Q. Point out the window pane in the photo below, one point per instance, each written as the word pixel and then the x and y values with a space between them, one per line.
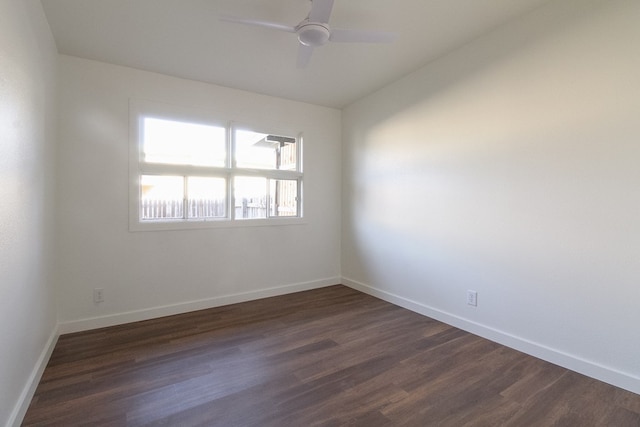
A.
pixel 263 151
pixel 181 143
pixel 207 197
pixel 283 197
pixel 161 197
pixel 250 197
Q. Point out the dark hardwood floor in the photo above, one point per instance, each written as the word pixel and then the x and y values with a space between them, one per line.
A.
pixel 327 357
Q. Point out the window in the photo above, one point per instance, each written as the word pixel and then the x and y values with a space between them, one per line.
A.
pixel 189 170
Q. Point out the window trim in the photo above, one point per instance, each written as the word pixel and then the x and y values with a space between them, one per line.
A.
pixel 139 109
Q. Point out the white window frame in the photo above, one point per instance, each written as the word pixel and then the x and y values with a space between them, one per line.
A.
pixel 139 109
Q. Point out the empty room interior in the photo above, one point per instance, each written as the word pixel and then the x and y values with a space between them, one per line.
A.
pixel 294 212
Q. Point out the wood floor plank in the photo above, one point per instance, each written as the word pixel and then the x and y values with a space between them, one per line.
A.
pixel 327 357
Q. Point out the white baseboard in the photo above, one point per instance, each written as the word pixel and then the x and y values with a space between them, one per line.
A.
pixel 19 411
pixel 185 307
pixel 594 370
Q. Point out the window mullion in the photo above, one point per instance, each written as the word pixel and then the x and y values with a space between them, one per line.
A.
pixel 231 212
pixel 232 197
pixel 271 174
pixel 299 157
pixel 231 157
pixel 167 169
pixel 299 198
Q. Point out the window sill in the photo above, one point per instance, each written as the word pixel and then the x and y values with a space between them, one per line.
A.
pixel 136 226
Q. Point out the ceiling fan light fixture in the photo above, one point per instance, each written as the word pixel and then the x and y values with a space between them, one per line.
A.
pixel 314 31
pixel 313 34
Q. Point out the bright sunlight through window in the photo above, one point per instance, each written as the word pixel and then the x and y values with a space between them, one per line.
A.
pixel 200 173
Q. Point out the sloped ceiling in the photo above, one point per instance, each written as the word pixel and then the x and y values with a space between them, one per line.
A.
pixel 185 38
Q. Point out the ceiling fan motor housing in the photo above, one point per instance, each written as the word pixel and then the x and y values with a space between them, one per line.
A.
pixel 313 34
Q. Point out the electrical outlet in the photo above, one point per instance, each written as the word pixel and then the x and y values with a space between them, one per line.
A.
pixel 472 298
pixel 98 295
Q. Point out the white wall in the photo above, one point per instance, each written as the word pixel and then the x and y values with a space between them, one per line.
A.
pixel 510 167
pixel 147 274
pixel 27 134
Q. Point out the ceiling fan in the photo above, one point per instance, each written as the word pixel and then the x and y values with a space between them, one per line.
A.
pixel 314 31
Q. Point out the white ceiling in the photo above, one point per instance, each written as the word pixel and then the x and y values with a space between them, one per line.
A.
pixel 185 38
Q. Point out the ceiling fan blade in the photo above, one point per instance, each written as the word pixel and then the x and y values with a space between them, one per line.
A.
pixel 259 23
pixel 304 55
pixel 361 36
pixel 320 11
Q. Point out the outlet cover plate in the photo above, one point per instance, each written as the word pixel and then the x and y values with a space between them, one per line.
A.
pixel 472 298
